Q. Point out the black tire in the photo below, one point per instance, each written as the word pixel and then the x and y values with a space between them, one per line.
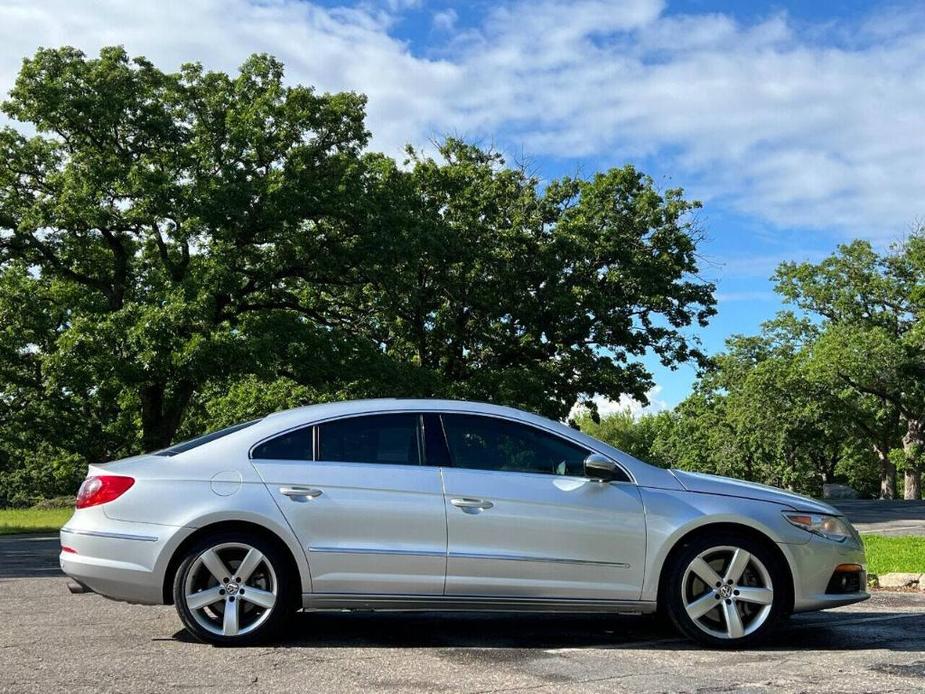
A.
pixel 257 624
pixel 682 587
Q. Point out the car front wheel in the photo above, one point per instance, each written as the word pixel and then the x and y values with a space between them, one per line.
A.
pixel 233 589
pixel 726 591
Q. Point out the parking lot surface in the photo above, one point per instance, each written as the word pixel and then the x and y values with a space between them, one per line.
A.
pixel 54 641
pixel 884 517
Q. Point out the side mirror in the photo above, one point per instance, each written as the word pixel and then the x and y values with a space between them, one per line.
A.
pixel 600 468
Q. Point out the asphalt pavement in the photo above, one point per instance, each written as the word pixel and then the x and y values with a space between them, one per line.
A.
pixel 54 641
pixel 895 517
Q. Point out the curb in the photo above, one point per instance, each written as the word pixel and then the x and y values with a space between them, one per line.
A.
pixel 897 581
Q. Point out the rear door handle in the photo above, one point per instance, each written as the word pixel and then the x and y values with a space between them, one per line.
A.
pixel 300 492
pixel 472 503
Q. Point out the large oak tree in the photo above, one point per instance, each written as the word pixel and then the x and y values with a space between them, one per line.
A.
pixel 180 248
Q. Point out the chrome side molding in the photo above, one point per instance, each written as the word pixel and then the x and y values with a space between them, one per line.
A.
pixel 376 550
pixel 463 555
pixel 545 560
pixel 112 536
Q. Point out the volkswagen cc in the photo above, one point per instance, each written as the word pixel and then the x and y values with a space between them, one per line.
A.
pixel 446 505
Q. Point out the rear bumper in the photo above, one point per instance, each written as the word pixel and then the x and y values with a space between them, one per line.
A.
pixel 814 563
pixel 119 560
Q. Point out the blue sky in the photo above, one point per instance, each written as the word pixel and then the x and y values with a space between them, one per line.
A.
pixel 798 124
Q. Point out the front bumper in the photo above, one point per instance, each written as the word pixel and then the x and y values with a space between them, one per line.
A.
pixel 814 564
pixel 117 559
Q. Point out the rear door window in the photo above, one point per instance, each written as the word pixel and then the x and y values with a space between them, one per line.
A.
pixel 383 439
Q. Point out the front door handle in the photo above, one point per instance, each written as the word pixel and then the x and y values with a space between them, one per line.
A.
pixel 300 492
pixel 481 504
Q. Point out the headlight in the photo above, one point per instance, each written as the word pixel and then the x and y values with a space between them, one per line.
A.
pixel 830 527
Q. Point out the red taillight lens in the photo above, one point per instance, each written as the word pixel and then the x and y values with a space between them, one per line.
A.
pixel 102 489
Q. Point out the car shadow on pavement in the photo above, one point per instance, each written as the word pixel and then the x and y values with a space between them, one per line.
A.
pixel 855 630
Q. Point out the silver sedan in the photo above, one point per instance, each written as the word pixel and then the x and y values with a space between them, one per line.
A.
pixel 445 505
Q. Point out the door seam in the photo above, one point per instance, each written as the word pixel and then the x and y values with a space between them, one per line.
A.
pixel 446 526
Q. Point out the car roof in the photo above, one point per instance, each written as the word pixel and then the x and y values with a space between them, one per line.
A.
pixel 342 408
pixel 321 411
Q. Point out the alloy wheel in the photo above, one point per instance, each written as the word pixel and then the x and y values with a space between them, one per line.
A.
pixel 727 592
pixel 231 589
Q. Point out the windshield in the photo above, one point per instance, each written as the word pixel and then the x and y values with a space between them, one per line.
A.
pixel 184 446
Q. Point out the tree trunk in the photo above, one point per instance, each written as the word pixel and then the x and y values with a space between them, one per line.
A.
pixel 912 446
pixel 887 473
pixel 161 413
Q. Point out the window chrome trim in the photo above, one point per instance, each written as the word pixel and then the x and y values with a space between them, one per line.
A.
pixel 545 560
pixel 440 412
pixel 112 536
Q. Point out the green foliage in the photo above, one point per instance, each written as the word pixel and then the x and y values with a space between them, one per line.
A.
pixel 835 393
pixel 499 292
pixel 636 436
pixel 870 344
pixel 183 250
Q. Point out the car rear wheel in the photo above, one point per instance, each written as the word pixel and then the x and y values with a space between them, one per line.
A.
pixel 726 591
pixel 234 589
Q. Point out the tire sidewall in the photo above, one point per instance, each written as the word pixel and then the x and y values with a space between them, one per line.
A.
pixel 674 602
pixel 282 610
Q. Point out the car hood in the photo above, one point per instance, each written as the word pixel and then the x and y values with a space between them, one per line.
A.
pixel 714 484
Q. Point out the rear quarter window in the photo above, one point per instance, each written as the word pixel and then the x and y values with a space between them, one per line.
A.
pixel 184 446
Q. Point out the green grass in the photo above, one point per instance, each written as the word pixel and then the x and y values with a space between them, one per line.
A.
pixel 32 520
pixel 894 554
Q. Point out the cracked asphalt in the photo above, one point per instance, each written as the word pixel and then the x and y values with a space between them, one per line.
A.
pixel 54 641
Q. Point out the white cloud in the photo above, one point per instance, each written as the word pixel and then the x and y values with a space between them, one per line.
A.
pixel 445 20
pixel 750 296
pixel 333 49
pixel 606 406
pixel 793 123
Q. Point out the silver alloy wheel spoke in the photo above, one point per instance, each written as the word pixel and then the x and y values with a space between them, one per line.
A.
pixel 230 621
pixel 261 598
pixel 224 563
pixel 215 565
pixel 736 604
pixel 734 627
pixel 759 596
pixel 197 601
pixel 737 564
pixel 706 572
pixel 701 606
pixel 250 562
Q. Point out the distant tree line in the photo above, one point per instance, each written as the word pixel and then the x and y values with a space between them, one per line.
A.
pixel 833 390
pixel 179 251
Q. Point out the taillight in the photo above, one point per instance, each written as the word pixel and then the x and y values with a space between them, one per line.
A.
pixel 102 489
